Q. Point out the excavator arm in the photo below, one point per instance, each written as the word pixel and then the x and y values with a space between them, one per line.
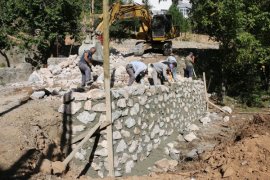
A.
pixel 120 12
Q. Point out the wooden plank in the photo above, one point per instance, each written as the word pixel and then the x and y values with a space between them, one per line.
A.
pixel 205 91
pixel 107 83
pixel 215 106
pixel 81 136
pixel 88 135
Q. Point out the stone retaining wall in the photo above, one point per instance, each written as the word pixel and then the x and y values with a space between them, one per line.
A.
pixel 143 117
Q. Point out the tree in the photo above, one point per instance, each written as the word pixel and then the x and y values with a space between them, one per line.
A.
pixel 178 19
pixel 242 27
pixel 36 24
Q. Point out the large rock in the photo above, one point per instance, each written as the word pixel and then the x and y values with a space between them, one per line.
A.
pixel 85 117
pixel 37 95
pixel 116 135
pixel 205 120
pixel 88 105
pixel 55 69
pixel 227 109
pixel 122 103
pixel 193 127
pixel 166 165
pixel 135 109
pixel 101 107
pixel 190 137
pixel 102 152
pixel 36 78
pixel 121 146
pixel 133 146
pixel 79 96
pixel 129 165
pixel 96 94
pixel 130 122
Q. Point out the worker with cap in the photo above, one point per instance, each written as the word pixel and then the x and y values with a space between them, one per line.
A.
pixel 136 71
pixel 172 62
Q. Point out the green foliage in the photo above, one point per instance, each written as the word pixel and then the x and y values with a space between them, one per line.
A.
pixel 178 19
pixel 242 27
pixel 21 20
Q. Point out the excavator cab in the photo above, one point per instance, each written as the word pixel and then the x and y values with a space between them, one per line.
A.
pixel 161 27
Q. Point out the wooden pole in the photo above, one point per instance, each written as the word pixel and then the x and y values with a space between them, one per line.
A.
pixel 205 91
pixel 93 13
pixel 106 67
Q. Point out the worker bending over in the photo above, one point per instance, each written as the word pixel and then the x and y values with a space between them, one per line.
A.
pixel 85 66
pixel 136 71
pixel 172 63
pixel 158 72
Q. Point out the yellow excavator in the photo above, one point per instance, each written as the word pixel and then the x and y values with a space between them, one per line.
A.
pixel 155 31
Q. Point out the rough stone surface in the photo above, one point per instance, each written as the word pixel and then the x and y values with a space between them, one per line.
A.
pixel 129 166
pixel 135 109
pixel 227 109
pixel 122 103
pixel 79 96
pixel 130 122
pixel 226 119
pixel 88 105
pixel 133 146
pixel 85 117
pixel 190 137
pixel 121 146
pixel 101 107
pixel 205 120
pixel 116 135
pixel 96 94
pixel 193 127
pixel 165 165
pixel 37 95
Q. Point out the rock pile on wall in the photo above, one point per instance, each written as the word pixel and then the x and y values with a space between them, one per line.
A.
pixel 143 117
pixel 64 72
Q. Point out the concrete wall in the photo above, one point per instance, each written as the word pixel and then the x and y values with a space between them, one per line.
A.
pixel 143 117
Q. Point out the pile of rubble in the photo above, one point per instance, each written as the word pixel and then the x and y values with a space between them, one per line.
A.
pixel 67 75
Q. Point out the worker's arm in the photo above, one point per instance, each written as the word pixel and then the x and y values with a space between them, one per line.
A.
pixel 164 71
pixel 86 58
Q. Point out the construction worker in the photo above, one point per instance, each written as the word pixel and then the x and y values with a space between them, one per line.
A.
pixel 158 72
pixel 136 71
pixel 85 66
pixel 171 61
pixel 189 61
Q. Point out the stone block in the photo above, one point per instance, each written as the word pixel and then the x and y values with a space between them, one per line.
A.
pixel 101 107
pixel 130 122
pixel 85 117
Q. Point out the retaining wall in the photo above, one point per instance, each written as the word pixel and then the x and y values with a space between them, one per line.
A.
pixel 143 117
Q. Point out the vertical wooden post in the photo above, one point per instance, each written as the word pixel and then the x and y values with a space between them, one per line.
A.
pixel 205 91
pixel 93 13
pixel 106 67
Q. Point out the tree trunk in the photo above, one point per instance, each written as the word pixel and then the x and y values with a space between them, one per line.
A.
pixel 5 56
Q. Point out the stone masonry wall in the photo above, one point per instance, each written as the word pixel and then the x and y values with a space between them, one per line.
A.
pixel 143 117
